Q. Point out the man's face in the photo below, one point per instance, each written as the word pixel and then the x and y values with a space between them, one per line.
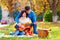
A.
pixel 28 11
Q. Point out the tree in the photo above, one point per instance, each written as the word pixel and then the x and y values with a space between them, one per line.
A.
pixel 54 4
pixel 11 9
pixel 22 3
pixel 40 6
pixel 58 8
pixel 45 7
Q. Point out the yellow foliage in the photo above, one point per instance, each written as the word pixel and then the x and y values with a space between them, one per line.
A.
pixel 38 5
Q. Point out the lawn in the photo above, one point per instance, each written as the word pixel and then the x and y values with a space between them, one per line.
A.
pixel 54 34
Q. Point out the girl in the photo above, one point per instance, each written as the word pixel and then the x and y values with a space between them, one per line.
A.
pixel 22 27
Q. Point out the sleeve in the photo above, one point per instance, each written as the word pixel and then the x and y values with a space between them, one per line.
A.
pixel 33 17
pixel 17 18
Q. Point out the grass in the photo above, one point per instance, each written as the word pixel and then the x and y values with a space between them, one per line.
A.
pixel 54 34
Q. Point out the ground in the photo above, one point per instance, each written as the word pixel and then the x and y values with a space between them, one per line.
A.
pixel 54 34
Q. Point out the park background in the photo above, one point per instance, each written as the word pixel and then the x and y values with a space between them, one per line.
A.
pixel 47 12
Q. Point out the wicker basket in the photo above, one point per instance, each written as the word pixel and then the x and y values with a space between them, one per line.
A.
pixel 42 32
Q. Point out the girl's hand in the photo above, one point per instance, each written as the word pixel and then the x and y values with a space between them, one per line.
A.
pixel 22 26
pixel 19 23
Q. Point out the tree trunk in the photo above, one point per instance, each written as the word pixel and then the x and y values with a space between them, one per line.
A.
pixel 54 11
pixel 53 5
pixel 10 8
pixel 11 19
pixel 55 17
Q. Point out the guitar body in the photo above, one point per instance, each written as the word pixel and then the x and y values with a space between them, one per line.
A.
pixel 23 27
pixel 26 28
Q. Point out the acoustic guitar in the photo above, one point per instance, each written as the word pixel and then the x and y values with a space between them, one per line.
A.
pixel 25 26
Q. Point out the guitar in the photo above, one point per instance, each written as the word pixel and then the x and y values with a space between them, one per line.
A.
pixel 25 26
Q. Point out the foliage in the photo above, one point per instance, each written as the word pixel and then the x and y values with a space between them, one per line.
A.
pixel 58 13
pixel 39 6
pixel 54 5
pixel 40 17
pixel 48 16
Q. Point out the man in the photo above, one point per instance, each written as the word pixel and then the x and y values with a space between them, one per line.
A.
pixel 32 16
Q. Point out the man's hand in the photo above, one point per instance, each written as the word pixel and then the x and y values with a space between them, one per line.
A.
pixel 35 22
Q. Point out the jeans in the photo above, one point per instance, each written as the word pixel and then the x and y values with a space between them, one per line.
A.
pixel 17 33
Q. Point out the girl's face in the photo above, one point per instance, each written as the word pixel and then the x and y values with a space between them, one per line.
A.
pixel 24 14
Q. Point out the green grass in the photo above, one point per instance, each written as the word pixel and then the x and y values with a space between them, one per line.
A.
pixel 54 33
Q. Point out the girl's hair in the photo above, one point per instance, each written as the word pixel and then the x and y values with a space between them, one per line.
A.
pixel 22 12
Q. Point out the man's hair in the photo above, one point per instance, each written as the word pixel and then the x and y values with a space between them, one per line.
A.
pixel 27 7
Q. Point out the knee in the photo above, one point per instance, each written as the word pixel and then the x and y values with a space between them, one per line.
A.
pixel 16 26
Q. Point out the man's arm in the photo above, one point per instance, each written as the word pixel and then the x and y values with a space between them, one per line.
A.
pixel 33 17
pixel 17 18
